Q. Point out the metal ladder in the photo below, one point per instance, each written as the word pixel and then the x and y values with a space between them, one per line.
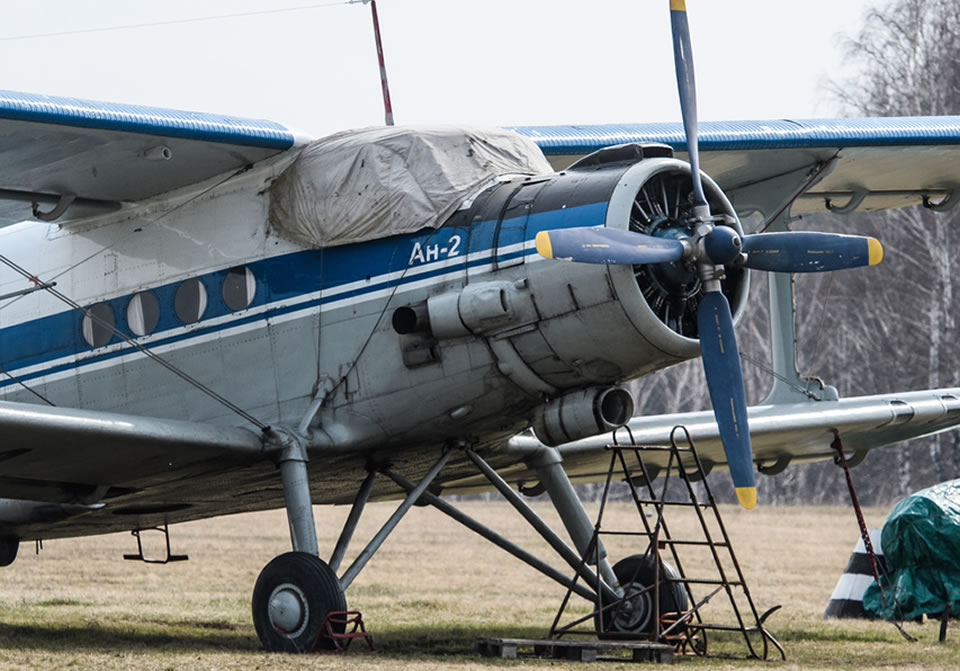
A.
pixel 686 630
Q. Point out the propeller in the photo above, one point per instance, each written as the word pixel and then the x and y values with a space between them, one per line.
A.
pixel 709 248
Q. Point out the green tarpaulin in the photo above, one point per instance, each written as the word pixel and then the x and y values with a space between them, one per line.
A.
pixel 921 543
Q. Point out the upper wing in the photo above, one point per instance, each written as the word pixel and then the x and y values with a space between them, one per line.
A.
pixel 781 434
pixel 104 154
pixel 888 162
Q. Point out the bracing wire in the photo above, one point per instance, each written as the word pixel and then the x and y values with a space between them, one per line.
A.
pixel 24 385
pixel 143 350
pixel 139 229
pixel 767 369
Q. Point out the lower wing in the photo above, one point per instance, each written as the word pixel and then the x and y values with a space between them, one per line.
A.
pixel 781 434
pixel 76 472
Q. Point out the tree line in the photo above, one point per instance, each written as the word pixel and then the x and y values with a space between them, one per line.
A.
pixel 884 329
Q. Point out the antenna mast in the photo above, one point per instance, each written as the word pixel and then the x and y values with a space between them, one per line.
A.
pixel 387 107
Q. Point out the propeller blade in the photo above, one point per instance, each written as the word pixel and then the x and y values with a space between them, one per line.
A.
pixel 607 245
pixel 808 252
pixel 721 365
pixel 687 86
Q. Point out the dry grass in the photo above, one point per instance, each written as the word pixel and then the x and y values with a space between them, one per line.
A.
pixel 431 591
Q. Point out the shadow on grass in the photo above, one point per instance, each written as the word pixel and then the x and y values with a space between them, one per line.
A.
pixel 200 636
pixel 839 635
pixel 445 640
pixel 121 637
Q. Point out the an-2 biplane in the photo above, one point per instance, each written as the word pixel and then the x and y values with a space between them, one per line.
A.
pixel 210 315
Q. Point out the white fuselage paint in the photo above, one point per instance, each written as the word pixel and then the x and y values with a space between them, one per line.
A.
pixel 269 364
pixel 144 248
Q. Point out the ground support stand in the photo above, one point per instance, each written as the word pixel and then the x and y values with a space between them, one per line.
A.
pixel 339 629
pixel 685 631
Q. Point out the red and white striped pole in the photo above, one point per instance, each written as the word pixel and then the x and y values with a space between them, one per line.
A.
pixel 387 107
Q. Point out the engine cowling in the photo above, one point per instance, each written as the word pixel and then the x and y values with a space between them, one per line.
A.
pixel 573 325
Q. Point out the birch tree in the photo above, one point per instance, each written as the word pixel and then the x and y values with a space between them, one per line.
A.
pixel 904 59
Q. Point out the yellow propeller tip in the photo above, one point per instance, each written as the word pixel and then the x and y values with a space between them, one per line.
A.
pixel 678 5
pixel 543 245
pixel 875 251
pixel 747 496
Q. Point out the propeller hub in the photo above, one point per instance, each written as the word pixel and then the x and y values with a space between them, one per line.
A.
pixel 722 245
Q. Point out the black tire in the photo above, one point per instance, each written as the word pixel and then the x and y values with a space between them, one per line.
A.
pixel 310 586
pixel 637 572
pixel 8 550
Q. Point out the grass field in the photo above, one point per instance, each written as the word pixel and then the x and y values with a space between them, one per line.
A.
pixel 433 589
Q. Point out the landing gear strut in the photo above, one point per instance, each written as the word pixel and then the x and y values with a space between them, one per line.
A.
pixel 296 590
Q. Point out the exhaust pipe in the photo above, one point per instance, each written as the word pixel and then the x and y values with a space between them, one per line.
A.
pixel 583 413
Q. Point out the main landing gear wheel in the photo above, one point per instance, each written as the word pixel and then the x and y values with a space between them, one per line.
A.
pixel 635 573
pixel 291 599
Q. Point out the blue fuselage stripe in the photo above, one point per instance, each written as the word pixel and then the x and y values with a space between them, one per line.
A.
pixel 281 281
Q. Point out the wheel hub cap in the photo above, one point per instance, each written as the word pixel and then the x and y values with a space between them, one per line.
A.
pixel 288 610
pixel 635 613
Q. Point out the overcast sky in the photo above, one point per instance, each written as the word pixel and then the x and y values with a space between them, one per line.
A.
pixel 499 62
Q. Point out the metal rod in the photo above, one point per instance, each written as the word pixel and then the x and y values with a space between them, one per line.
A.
pixel 367 553
pixel 384 86
pixel 683 616
pixel 296 497
pixel 352 520
pixel 494 537
pixel 548 534
pixel 23 292
pixel 549 467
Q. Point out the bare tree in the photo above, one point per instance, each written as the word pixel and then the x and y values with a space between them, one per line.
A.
pixel 905 53
pixel 904 58
pixel 873 330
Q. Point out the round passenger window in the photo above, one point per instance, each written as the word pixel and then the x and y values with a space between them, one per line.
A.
pixel 190 301
pixel 239 286
pixel 97 325
pixel 143 312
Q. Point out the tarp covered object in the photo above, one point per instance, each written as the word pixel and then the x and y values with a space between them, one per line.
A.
pixel 921 543
pixel 376 182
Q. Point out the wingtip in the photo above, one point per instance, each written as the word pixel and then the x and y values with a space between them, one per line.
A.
pixel 875 251
pixel 544 248
pixel 747 496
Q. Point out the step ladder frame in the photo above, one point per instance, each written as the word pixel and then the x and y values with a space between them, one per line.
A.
pixel 691 629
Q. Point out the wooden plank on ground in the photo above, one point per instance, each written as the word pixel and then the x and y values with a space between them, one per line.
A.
pixel 582 650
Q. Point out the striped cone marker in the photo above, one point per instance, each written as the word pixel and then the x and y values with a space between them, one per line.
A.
pixel 847 598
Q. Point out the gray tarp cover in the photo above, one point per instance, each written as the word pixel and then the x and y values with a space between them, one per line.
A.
pixel 376 182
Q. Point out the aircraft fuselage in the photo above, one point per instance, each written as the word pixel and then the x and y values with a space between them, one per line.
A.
pixel 203 281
